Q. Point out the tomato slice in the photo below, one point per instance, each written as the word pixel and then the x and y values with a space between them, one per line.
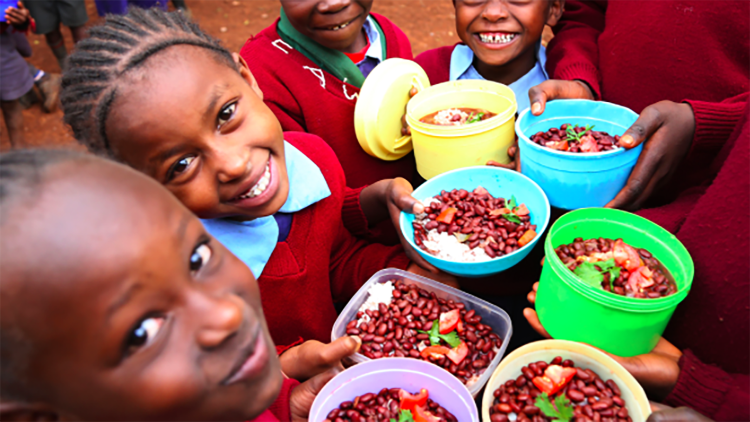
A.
pixel 449 321
pixel 559 375
pixel 409 402
pixel 626 256
pixel 447 215
pixel 458 353
pixel 480 191
pixel 544 384
pixel 560 145
pixel 460 326
pixel 521 210
pixel 420 414
pixel 588 144
pixel 526 237
pixel 640 279
pixel 435 350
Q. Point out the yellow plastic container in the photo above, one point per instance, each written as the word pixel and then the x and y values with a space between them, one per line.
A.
pixel 439 149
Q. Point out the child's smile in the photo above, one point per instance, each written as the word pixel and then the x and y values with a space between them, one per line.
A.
pixel 262 187
pixel 333 24
pixel 496 39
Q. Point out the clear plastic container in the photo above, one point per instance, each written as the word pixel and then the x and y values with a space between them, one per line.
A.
pixel 491 315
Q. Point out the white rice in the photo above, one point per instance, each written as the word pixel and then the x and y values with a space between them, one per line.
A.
pixel 446 246
pixel 377 294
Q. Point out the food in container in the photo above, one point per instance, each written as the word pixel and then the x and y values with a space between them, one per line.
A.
pixel 457 116
pixel 391 404
pixel 574 138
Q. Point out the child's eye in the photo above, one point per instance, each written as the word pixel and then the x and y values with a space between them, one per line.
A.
pixel 226 113
pixel 144 333
pixel 200 257
pixel 180 166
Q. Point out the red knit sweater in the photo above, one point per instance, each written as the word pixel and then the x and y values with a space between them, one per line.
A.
pixel 713 321
pixel 661 50
pixel 321 261
pixel 307 99
pixel 280 410
pixel 437 63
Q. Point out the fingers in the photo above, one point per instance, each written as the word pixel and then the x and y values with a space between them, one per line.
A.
pixel 302 396
pixel 665 348
pixel 648 122
pixel 656 407
pixel 509 166
pixel 640 184
pixel 533 319
pixel 413 92
pixel 556 89
pixel 681 414
pixel 531 297
pixel 332 353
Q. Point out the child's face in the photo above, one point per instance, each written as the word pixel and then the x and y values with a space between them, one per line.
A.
pixel 131 310
pixel 499 31
pixel 318 20
pixel 201 128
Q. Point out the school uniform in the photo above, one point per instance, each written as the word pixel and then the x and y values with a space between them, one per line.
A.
pixel 319 97
pixel 303 257
pixel 280 409
pixel 453 63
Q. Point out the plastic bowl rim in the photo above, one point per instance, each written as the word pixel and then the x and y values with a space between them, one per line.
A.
pixel 403 217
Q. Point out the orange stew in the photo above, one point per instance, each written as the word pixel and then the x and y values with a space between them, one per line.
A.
pixel 457 116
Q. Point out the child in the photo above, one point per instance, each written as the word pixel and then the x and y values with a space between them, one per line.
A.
pixel 151 89
pixel 117 304
pixel 49 14
pixel 310 65
pixel 501 42
pixel 16 79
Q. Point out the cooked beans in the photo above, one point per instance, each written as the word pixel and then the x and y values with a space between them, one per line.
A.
pixel 574 254
pixel 590 140
pixel 403 339
pixel 592 399
pixel 380 407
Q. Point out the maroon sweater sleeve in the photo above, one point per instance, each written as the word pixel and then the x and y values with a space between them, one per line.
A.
pixel 280 410
pixel 714 122
pixel 574 52
pixel 711 391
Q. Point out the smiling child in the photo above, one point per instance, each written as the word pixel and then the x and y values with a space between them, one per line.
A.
pixel 500 42
pixel 118 305
pixel 310 65
pixel 154 91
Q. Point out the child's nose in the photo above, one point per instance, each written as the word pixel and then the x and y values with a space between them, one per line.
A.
pixel 221 319
pixel 233 165
pixel 332 6
pixel 495 10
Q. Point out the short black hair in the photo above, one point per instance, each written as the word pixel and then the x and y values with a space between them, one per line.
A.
pixel 21 179
pixel 121 44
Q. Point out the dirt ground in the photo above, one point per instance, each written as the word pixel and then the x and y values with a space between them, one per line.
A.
pixel 427 23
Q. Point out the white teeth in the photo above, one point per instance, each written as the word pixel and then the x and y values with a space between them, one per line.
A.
pixel 336 28
pixel 259 187
pixel 497 39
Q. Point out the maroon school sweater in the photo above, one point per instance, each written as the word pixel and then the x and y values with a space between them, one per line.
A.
pixel 306 98
pixel 320 262
pixel 713 223
pixel 649 51
pixel 437 63
pixel 280 410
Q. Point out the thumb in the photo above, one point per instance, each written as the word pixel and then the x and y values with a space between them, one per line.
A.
pixel 303 396
pixel 339 349
pixel 538 96
pixel 647 123
pixel 401 194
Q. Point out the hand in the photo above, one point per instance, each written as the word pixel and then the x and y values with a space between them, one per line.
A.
pixel 395 194
pixel 302 396
pixel 313 357
pixel 657 371
pixel 555 89
pixel 440 276
pixel 680 414
pixel 405 129
pixel 667 128
pixel 17 16
pixel 531 315
pixel 515 159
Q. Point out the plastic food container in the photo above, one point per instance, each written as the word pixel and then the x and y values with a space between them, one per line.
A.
pixel 585 357
pixel 491 315
pixel 498 182
pixel 575 180
pixel 4 4
pixel 439 149
pixel 408 374
pixel 571 310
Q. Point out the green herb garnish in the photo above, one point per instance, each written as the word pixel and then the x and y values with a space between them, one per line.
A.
pixel 512 218
pixel 451 338
pixel 476 118
pixel 573 135
pixel 404 416
pixel 461 237
pixel 560 411
pixel 593 273
pixel 512 203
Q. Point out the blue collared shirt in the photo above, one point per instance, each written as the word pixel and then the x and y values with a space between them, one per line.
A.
pixel 374 54
pixel 253 241
pixel 462 67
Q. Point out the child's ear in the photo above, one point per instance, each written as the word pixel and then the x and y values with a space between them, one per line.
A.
pixel 556 9
pixel 20 411
pixel 246 74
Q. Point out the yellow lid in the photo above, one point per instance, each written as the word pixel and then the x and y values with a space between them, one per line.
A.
pixel 381 105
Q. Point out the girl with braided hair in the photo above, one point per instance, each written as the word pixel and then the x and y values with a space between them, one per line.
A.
pixel 152 90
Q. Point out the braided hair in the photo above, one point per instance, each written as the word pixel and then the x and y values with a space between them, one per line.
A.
pixel 121 44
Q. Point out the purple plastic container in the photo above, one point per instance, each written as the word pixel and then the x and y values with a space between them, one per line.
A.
pixel 409 374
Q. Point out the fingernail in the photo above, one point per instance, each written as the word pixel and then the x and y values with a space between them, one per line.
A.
pixel 358 341
pixel 418 208
pixel 536 108
pixel 627 140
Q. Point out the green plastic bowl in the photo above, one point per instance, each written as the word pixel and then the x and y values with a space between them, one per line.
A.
pixel 571 310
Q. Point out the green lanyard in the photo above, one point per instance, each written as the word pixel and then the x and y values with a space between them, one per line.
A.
pixel 332 61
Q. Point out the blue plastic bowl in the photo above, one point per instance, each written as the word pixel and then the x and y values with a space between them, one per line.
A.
pixel 575 180
pixel 498 182
pixel 4 4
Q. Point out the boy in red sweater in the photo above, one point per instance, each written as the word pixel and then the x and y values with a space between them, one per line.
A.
pixel 500 42
pixel 118 305
pixel 275 199
pixel 310 65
